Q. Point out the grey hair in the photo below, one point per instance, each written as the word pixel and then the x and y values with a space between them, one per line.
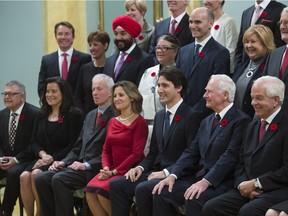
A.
pixel 108 80
pixel 226 84
pixel 18 84
pixel 274 86
pixel 187 2
pixel 285 10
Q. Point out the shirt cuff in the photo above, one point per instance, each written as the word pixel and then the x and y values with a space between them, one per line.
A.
pixel 260 185
pixel 207 181
pixel 17 162
pixel 173 175
pixel 166 172
pixel 141 168
pixel 87 165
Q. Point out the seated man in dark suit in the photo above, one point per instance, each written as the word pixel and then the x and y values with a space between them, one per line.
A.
pixel 66 62
pixel 202 58
pixel 56 186
pixel 205 169
pixel 15 134
pixel 167 144
pixel 261 175
pixel 129 62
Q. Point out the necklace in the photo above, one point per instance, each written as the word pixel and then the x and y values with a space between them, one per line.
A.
pixel 251 70
pixel 124 119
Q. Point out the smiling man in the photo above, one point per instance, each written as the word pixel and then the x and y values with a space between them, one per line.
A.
pixel 65 62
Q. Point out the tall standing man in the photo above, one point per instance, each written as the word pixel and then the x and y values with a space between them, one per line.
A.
pixel 66 61
pixel 16 122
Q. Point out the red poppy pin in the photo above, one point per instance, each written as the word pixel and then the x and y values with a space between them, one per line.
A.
pixel 262 67
pixel 177 118
pixel 153 74
pixel 74 59
pixel 263 14
pixel 224 122
pixel 178 29
pixel 201 54
pixel 60 120
pixel 128 59
pixel 140 37
pixel 273 127
pixel 216 27
pixel 21 118
pixel 102 123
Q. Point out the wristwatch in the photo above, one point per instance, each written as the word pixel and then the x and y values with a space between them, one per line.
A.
pixel 256 184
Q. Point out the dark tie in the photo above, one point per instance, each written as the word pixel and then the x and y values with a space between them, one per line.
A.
pixel 12 130
pixel 172 26
pixel 99 114
pixel 256 14
pixel 64 66
pixel 215 122
pixel 262 130
pixel 119 65
pixel 197 47
pixel 284 64
pixel 167 123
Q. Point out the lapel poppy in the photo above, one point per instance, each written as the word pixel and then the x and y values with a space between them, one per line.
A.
pixel 263 14
pixel 262 67
pixel 153 74
pixel 201 54
pixel 140 37
pixel 102 123
pixel 224 122
pixel 177 118
pixel 74 59
pixel 60 120
pixel 178 29
pixel 21 118
pixel 128 59
pixel 216 27
pixel 273 127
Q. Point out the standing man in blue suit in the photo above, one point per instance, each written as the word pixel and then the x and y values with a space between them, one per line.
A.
pixel 53 64
pixel 202 58
pixel 205 169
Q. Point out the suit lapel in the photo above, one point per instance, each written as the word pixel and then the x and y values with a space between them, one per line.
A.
pixel 181 25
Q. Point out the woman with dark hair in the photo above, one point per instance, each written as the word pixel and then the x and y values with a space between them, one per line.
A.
pixel 55 131
pixel 123 147
pixel 166 52
pixel 98 43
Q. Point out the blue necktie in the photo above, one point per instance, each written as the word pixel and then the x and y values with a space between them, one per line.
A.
pixel 167 123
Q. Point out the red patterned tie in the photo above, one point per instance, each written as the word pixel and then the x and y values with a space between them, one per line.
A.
pixel 64 66
pixel 99 114
pixel 215 122
pixel 284 64
pixel 262 130
pixel 172 26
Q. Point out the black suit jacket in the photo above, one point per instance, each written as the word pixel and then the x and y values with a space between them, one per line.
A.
pixel 268 159
pixel 88 147
pixel 165 152
pixel 133 67
pixel 216 152
pixel 216 60
pixel 23 131
pixel 269 17
pixel 50 68
pixel 182 32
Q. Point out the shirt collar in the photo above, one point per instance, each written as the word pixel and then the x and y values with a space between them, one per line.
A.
pixel 102 111
pixel 130 49
pixel 225 110
pixel 173 109
pixel 272 116
pixel 203 43
pixel 69 52
pixel 18 111
pixel 263 4
pixel 178 18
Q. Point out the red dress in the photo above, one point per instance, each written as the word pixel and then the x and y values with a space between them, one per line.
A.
pixel 122 150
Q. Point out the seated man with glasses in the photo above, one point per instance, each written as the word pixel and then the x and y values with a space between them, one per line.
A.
pixel 16 122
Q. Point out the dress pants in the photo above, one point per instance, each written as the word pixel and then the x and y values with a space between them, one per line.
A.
pixel 233 203
pixel 56 189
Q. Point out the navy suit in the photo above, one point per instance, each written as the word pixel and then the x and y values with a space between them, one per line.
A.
pixel 56 189
pixel 163 154
pixel 269 17
pixel 50 68
pixel 133 67
pixel 216 60
pixel 211 157
pixel 22 139
pixel 182 32
pixel 267 161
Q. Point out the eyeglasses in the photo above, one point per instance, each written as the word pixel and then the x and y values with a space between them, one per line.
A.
pixel 284 22
pixel 10 94
pixel 163 48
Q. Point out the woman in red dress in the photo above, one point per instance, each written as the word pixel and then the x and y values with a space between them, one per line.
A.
pixel 123 147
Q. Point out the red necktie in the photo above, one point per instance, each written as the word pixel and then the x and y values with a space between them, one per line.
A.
pixel 99 114
pixel 172 27
pixel 284 64
pixel 262 130
pixel 215 122
pixel 64 66
pixel 256 14
pixel 119 65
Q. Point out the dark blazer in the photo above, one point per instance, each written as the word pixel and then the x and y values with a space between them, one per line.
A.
pixel 23 131
pixel 217 153
pixel 182 32
pixel 50 68
pixel 246 103
pixel 269 17
pixel 88 147
pixel 133 67
pixel 165 152
pixel 62 137
pixel 268 159
pixel 273 68
pixel 216 60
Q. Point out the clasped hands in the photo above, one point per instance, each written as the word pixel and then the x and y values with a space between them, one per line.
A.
pixel 247 189
pixel 45 160
pixel 105 173
pixel 134 174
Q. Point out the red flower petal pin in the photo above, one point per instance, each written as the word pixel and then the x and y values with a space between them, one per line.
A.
pixel 74 59
pixel 263 14
pixel 216 27
pixel 140 37
pixel 153 74
pixel 224 122
pixel 201 54
pixel 21 118
pixel 177 118
pixel 102 123
pixel 178 29
pixel 60 120
pixel 262 67
pixel 128 59
pixel 273 127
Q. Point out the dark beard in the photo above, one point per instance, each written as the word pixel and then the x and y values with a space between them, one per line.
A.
pixel 127 44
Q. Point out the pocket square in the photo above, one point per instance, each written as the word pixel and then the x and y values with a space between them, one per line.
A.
pixel 265 21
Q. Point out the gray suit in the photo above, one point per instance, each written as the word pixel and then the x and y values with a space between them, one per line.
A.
pixel 56 189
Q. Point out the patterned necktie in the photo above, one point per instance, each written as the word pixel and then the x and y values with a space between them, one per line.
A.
pixel 119 65
pixel 64 66
pixel 256 14
pixel 172 27
pixel 12 130
pixel 99 114
pixel 167 123
pixel 215 122
pixel 284 64
pixel 262 129
pixel 197 47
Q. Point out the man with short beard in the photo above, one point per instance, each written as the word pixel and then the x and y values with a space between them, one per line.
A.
pixel 129 62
